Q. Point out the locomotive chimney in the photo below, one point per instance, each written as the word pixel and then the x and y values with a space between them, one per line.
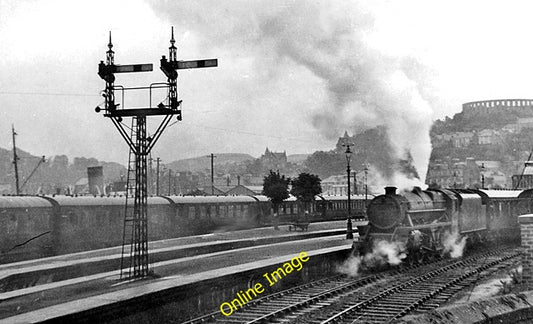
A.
pixel 390 190
pixel 417 190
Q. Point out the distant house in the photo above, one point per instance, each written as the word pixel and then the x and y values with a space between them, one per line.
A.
pixel 524 123
pixel 488 136
pixel 511 128
pixel 334 185
pixel 454 174
pixel 462 139
pixel 337 185
pixel 441 140
pixel 241 190
pixel 81 186
pixel 215 191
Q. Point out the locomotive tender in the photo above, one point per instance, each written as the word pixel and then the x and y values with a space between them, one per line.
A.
pixel 39 226
pixel 420 220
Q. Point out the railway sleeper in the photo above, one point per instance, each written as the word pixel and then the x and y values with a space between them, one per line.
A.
pixel 403 299
pixel 238 316
pixel 369 317
pixel 386 309
pixel 393 303
pixel 417 291
pixel 368 313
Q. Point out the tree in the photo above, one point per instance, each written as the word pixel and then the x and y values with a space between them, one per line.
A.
pixel 305 187
pixel 276 188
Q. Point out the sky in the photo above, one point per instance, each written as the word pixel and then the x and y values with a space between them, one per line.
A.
pixel 292 75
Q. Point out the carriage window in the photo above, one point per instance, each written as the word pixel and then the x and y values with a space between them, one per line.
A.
pixel 203 212
pixel 230 211
pixel 213 211
pixel 237 211
pixel 73 218
pixel 224 211
pixel 100 218
pixel 192 212
pixel 245 210
pixel 12 224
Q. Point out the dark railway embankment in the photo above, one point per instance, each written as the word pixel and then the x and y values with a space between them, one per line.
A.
pixel 513 308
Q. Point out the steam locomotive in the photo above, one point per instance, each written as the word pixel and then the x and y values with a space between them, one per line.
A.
pixel 39 226
pixel 420 220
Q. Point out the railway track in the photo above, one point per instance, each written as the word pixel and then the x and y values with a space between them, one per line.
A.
pixel 376 298
pixel 281 302
pixel 394 302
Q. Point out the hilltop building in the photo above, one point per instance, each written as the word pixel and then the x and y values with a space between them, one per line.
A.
pixel 274 160
pixel 520 107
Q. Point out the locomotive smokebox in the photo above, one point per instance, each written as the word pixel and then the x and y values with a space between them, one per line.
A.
pixel 390 190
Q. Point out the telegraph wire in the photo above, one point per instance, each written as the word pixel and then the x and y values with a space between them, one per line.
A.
pixel 49 94
pixel 250 133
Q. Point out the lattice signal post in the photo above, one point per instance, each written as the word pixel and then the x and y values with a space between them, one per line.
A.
pixel 141 144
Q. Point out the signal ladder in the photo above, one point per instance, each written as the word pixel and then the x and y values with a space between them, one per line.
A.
pixel 128 234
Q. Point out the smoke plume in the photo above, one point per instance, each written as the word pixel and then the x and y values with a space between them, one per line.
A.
pixel 360 86
pixel 453 244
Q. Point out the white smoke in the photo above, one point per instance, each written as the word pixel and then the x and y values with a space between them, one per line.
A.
pixel 350 266
pixel 383 253
pixel 453 244
pixel 362 87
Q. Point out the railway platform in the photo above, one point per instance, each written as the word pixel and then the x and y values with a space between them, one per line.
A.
pixel 211 266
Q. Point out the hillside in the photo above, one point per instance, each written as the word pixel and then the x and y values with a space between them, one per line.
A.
pixel 297 158
pixel 204 162
pixel 55 172
pixel 369 147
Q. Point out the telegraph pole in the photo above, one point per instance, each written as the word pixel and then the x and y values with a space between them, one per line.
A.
pixel 212 174
pixel 169 179
pixel 15 159
pixel 141 144
pixel 157 176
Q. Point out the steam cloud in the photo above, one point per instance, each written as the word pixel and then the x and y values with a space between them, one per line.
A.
pixel 363 87
pixel 392 253
pixel 453 244
pixel 383 253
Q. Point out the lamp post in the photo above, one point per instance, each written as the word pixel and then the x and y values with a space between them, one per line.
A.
pixel 349 228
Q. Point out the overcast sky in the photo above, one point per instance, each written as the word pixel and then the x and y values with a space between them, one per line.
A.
pixel 292 75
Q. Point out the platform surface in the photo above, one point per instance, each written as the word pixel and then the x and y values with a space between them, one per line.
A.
pixel 36 303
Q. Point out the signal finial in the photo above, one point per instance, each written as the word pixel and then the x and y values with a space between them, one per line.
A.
pixel 172 50
pixel 110 60
pixel 172 41
pixel 110 45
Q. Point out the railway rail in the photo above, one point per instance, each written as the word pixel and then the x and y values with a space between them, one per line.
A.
pixel 397 301
pixel 388 295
